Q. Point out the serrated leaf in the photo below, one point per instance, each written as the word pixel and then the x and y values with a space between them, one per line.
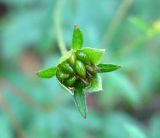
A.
pixel 80 101
pixel 94 54
pixel 107 67
pixel 77 38
pixel 47 73
pixel 95 85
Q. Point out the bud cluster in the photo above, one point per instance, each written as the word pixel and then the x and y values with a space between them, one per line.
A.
pixel 76 71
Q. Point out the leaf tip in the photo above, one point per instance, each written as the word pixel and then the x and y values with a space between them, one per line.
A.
pixel 37 73
pixel 75 26
pixel 85 116
pixel 118 66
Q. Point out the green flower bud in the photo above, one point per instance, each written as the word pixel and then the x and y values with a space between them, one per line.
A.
pixel 70 81
pixel 83 57
pixel 72 59
pixel 61 75
pixel 65 66
pixel 80 69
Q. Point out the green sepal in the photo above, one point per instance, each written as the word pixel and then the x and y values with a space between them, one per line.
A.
pixel 107 67
pixel 47 73
pixel 68 90
pixel 95 85
pixel 77 38
pixel 95 55
pixel 80 101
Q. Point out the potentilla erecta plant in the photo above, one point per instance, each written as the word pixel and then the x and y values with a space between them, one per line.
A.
pixel 78 71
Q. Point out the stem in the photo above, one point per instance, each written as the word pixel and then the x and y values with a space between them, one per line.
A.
pixel 58 27
pixel 8 110
pixel 116 21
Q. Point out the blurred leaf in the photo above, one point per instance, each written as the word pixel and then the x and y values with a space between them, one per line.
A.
pixel 114 125
pixel 17 3
pixel 120 89
pixel 5 128
pixel 142 25
pixel 154 126
pixel 134 132
pixel 77 38
pixel 80 101
pixel 95 55
pixel 24 29
pixel 29 23
pixel 95 85
pixel 33 26
pixel 47 73
pixel 107 67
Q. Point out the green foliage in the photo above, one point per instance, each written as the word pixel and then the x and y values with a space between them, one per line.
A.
pixel 134 132
pixel 77 38
pixel 80 100
pixel 47 73
pixel 77 70
pixel 28 41
pixel 154 126
pixel 107 67
pixel 95 55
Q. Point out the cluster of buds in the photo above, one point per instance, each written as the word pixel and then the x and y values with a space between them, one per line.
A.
pixel 77 71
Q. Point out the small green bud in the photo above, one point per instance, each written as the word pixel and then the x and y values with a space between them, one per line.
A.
pixel 66 67
pixel 61 75
pixel 80 69
pixel 70 81
pixel 83 57
pixel 72 59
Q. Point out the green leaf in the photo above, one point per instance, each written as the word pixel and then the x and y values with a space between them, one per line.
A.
pixel 95 84
pixel 139 23
pixel 77 38
pixel 134 132
pixel 47 73
pixel 107 67
pixel 80 101
pixel 95 55
pixel 124 90
pixel 154 126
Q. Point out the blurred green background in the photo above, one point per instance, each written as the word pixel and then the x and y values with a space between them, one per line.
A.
pixel 31 33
